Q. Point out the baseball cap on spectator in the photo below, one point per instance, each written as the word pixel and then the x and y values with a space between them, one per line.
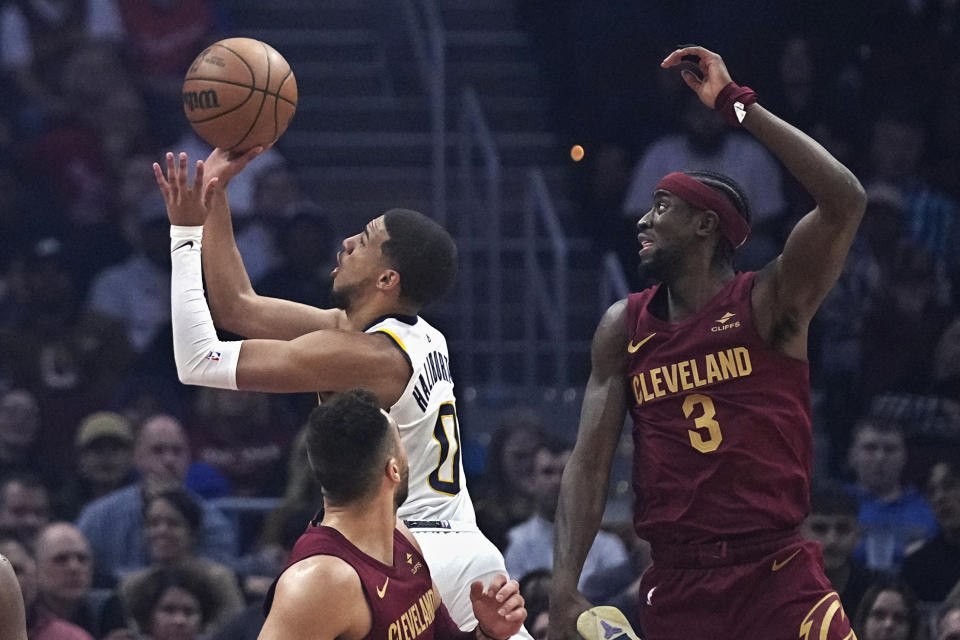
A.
pixel 103 424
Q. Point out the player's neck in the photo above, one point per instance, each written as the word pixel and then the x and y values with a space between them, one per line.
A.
pixel 368 525
pixel 362 316
pixel 690 291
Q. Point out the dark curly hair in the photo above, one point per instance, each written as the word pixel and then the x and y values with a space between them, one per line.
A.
pixel 347 438
pixel 422 252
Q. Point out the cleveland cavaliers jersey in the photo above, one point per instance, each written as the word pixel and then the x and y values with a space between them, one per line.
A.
pixel 401 596
pixel 721 423
pixel 427 416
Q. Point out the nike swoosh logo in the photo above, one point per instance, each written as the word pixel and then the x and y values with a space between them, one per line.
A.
pixel 632 347
pixel 780 565
pixel 188 243
pixel 382 591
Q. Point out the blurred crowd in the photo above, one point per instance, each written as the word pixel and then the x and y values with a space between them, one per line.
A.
pixel 116 481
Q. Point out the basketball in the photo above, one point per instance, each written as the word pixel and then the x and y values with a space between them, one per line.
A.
pixel 239 93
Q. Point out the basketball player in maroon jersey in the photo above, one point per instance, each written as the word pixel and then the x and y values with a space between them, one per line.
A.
pixel 711 365
pixel 359 573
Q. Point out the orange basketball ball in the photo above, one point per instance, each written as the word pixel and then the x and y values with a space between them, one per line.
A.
pixel 239 93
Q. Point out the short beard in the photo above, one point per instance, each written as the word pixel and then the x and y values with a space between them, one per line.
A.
pixel 341 298
pixel 403 489
pixel 664 265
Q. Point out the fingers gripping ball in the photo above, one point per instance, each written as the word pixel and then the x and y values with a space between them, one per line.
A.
pixel 239 93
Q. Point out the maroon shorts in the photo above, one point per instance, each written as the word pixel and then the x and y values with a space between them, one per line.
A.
pixel 772 590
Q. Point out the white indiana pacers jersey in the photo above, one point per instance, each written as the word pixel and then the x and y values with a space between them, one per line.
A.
pixel 427 416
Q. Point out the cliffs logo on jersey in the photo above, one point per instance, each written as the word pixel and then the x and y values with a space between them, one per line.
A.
pixel 413 567
pixel 414 620
pixel 690 374
pixel 724 323
pixel 436 367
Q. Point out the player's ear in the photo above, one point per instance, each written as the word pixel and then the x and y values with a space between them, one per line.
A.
pixel 389 279
pixel 709 223
pixel 393 469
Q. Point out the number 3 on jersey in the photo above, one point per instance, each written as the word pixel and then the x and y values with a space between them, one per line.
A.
pixel 705 421
pixel 446 477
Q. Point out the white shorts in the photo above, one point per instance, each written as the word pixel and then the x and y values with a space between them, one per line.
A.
pixel 457 556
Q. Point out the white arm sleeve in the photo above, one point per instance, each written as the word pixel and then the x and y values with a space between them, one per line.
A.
pixel 202 359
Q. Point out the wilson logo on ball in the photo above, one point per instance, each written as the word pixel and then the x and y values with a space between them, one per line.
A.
pixel 200 100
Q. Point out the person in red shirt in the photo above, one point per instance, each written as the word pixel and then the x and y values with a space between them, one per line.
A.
pixel 358 572
pixel 711 365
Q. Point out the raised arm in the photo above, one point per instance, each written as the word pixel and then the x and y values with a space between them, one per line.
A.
pixel 325 360
pixel 792 287
pixel 583 490
pixel 234 304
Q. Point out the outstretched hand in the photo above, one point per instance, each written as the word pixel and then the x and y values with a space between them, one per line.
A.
pixel 713 72
pixel 187 202
pixel 499 608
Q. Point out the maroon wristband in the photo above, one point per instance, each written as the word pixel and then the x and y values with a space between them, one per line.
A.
pixel 732 102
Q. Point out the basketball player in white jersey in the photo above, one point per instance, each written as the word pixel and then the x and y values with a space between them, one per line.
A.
pixel 401 261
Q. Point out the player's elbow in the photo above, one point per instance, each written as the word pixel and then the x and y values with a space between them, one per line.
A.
pixel 184 374
pixel 857 197
pixel 848 202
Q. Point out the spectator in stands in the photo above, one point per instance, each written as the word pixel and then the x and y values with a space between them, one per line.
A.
pixel 888 611
pixel 275 195
pixel 70 363
pixel 173 519
pixel 833 523
pixel 41 625
pixel 534 587
pixel 114 524
pixel 916 293
pixel 284 524
pixel 103 449
pixel 893 517
pixel 37 36
pixel 132 292
pixel 505 491
pixel 530 543
pixel 19 428
pixel 245 436
pixel 24 505
pixel 65 579
pixel 172 604
pixel 706 142
pixel 162 37
pixel 896 152
pixel 306 257
pixel 934 569
pixel 948 624
pixel 801 95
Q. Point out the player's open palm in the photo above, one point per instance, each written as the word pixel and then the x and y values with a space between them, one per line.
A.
pixel 499 608
pixel 703 70
pixel 187 201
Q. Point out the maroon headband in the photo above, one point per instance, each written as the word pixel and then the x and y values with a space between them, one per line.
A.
pixel 733 226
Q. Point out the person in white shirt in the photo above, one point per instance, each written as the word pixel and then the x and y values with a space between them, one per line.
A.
pixel 531 542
